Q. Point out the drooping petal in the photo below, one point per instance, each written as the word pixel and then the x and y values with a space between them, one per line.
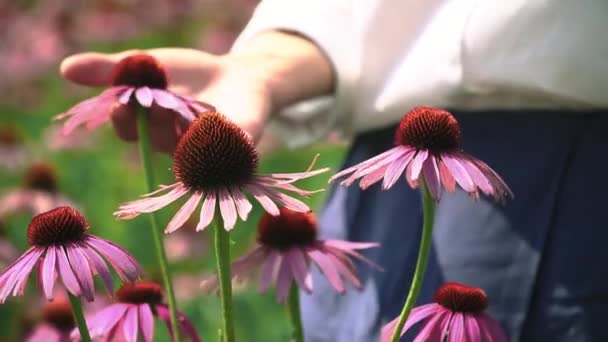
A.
pixel 459 173
pixel 341 246
pixel 432 328
pixel 490 329
pixel 132 209
pixel 396 168
pixel 98 265
pixel 299 268
pixel 165 99
pixel 186 327
pixel 241 268
pixel 104 321
pixel 446 177
pixel 144 96
pixel 66 273
pixel 184 213
pixel 346 268
pixel 82 271
pixel 471 328
pixel 327 267
pixel 207 211
pixel 373 177
pixel 380 164
pixel 243 206
pixel 285 200
pixel 227 209
pixel 124 264
pixel 96 108
pixel 363 165
pixel 146 322
pixel 416 315
pixel 263 199
pixel 416 165
pixel 456 331
pixel 48 272
pixel 16 275
pixel 130 327
pixel 269 270
pixel 431 176
pixel 126 96
pixel 284 279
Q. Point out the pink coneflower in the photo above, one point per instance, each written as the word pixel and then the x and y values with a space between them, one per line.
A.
pixel 13 153
pixel 38 194
pixel 457 315
pixel 57 323
pixel 428 144
pixel 135 79
pixel 215 161
pixel 287 244
pixel 62 247
pixel 134 314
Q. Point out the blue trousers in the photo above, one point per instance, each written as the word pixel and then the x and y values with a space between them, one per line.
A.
pixel 542 258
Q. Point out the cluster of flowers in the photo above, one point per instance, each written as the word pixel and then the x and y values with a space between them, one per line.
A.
pixel 215 165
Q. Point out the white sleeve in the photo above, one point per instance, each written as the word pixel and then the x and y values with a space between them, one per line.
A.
pixel 330 25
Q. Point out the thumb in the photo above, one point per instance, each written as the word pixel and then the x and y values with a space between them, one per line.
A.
pixel 91 68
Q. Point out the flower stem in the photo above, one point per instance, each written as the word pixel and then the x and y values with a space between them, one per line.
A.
pixel 293 307
pixel 146 160
pixel 79 316
pixel 428 216
pixel 222 255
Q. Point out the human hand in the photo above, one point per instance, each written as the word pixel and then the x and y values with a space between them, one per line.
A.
pixel 234 85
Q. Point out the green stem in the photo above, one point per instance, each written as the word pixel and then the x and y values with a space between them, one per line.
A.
pixel 222 256
pixel 428 216
pixel 79 316
pixel 145 153
pixel 293 307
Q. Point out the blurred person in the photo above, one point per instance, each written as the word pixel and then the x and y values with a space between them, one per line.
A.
pixel 525 79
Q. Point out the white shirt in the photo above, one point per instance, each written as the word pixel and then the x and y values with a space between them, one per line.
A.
pixel 392 55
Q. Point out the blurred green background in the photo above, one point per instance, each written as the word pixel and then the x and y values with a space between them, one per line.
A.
pixel 100 177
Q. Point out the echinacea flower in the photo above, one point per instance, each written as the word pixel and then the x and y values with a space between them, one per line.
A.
pixel 138 78
pixel 38 194
pixel 216 162
pixel 133 315
pixel 428 145
pixel 57 323
pixel 287 245
pixel 13 154
pixel 62 247
pixel 456 316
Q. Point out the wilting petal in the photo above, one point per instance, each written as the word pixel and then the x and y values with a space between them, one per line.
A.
pixel 287 201
pixel 82 271
pixel 456 330
pixel 373 177
pixel 67 274
pixel 99 265
pixel 243 206
pixel 324 263
pixel 207 211
pixel 130 324
pixel 132 209
pixel 184 213
pixel 126 267
pixel 146 322
pixel 381 164
pixel 15 276
pixel 459 173
pixel 48 272
pixel 263 199
pixel 227 209
pixel 144 96
pixel 345 267
pixel 396 168
pixel 431 176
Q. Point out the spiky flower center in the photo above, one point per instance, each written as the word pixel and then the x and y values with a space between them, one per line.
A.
pixel 139 293
pixel 214 152
pixel 429 128
pixel 58 313
pixel 139 70
pixel 461 298
pixel 57 227
pixel 40 177
pixel 288 229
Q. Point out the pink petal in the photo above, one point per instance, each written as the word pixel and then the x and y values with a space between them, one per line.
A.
pixel 126 96
pixel 207 211
pixel 286 201
pixel 284 279
pixel 299 268
pixel 373 177
pixel 345 267
pixel 184 213
pixel 431 176
pixel 459 173
pixel 328 269
pixel 416 315
pixel 82 271
pixel 348 245
pixel 165 99
pixel 99 266
pixel 48 272
pixel 268 181
pixel 456 330
pixel 363 165
pixel 18 272
pixel 243 206
pixel 146 322
pixel 396 168
pixel 432 328
pixel 491 330
pixel 269 268
pixel 132 209
pixel 263 199
pixel 227 209
pixel 106 319
pixel 67 275
pixel 380 164
pixel 144 96
pixel 124 264
pixel 446 177
pixel 130 324
pixel 417 163
pixel 471 328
